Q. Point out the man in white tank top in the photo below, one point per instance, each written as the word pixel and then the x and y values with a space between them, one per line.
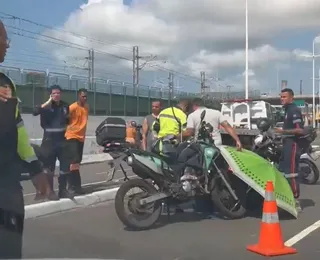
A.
pixel 214 117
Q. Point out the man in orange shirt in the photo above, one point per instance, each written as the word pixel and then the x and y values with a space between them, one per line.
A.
pixel 75 137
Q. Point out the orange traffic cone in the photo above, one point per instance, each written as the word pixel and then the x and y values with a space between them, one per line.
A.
pixel 270 239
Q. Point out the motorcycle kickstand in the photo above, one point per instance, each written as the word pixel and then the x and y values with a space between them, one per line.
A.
pixel 124 173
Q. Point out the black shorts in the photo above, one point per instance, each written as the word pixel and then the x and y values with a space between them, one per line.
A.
pixel 75 150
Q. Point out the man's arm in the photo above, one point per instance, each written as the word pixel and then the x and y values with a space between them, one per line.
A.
pixel 66 111
pixel 191 127
pixel 25 150
pixel 229 129
pixel 145 129
pixel 38 109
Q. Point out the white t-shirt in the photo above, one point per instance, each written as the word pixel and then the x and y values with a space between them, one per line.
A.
pixel 214 117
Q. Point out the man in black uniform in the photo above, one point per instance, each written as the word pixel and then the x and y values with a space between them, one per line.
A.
pixel 54 115
pixel 291 130
pixel 14 147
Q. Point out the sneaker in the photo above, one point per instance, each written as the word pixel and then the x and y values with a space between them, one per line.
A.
pixel 298 206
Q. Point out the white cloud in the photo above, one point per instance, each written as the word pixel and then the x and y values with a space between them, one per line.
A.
pixel 257 57
pixel 189 35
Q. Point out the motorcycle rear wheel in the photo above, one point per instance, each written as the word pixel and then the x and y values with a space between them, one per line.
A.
pixel 137 220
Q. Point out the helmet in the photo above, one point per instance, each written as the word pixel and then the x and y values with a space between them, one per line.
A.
pixel 133 124
pixel 263 124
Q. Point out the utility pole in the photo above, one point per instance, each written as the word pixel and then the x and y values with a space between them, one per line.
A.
pixel 170 86
pixel 135 80
pixel 135 69
pixel 91 69
pixel 203 83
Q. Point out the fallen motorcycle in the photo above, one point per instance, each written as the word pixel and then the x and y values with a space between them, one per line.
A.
pixel 269 146
pixel 177 173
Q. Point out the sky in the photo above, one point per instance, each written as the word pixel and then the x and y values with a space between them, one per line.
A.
pixel 180 36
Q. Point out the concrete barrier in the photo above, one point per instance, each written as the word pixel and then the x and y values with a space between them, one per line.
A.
pixel 32 124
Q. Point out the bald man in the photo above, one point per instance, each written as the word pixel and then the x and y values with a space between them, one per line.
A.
pixel 14 147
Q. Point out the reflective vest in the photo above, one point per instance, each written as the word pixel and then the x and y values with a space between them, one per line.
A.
pixel 24 149
pixel 172 121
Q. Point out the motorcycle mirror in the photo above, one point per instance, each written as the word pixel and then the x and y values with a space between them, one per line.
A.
pixel 203 114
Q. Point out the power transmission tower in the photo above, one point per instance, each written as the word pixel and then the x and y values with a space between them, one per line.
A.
pixel 136 67
pixel 171 87
pixel 204 88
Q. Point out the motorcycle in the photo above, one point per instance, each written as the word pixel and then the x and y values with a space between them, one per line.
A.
pixel 268 146
pixel 176 175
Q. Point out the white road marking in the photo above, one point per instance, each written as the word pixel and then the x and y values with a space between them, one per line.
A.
pixel 295 239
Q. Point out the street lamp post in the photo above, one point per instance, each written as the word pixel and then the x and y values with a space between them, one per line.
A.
pixel 247 54
pixel 313 84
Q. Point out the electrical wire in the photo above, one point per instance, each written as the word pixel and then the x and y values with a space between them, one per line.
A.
pixel 10 16
pixel 60 42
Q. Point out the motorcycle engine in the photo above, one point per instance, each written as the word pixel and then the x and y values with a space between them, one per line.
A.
pixel 189 181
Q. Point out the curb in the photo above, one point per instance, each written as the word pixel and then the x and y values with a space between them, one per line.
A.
pixel 51 207
pixel 87 159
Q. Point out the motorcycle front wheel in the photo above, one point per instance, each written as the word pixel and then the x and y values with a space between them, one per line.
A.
pixel 224 201
pixel 132 214
pixel 309 171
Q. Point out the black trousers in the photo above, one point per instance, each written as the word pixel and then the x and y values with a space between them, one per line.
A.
pixel 51 151
pixel 289 164
pixel 11 213
pixel 74 153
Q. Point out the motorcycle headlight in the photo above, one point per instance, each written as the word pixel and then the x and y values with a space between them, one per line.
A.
pixel 258 140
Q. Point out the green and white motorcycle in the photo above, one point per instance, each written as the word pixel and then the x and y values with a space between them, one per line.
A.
pixel 180 173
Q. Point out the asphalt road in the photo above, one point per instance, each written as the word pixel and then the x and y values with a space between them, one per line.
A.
pixel 93 177
pixel 96 232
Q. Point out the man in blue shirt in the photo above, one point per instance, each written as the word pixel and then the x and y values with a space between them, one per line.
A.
pixel 54 115
pixel 291 130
